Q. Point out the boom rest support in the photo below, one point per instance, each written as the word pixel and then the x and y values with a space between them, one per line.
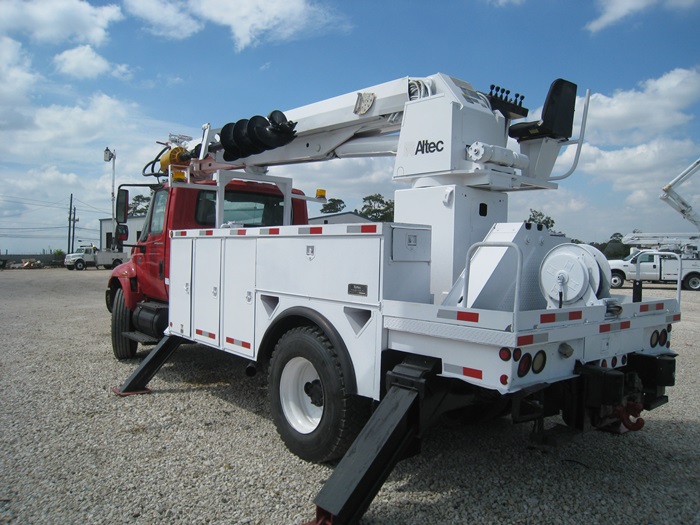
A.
pixel 557 115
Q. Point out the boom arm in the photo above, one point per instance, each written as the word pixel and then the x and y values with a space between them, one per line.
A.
pixel 678 203
pixel 440 129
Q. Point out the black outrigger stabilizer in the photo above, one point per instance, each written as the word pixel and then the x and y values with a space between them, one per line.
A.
pixel 391 434
pixel 137 381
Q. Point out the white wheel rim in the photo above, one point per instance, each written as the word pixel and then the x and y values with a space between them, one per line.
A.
pixel 301 414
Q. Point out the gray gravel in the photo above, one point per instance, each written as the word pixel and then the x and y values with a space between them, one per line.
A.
pixel 202 447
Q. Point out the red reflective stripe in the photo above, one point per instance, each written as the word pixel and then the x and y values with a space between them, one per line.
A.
pixel 274 231
pixel 677 317
pixel 241 232
pixel 525 340
pixel 644 308
pixel 472 317
pixel 605 328
pixel 625 324
pixel 575 316
pixel 198 332
pixel 209 232
pixel 245 345
pixel 472 372
pixel 229 340
pixel 368 228
pixel 316 230
pixel 548 318
pixel 659 306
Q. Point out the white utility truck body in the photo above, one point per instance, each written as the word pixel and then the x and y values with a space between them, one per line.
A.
pixel 90 256
pixel 658 268
pixel 451 308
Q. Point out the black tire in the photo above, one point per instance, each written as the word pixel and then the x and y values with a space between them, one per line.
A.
pixel 79 265
pixel 115 263
pixel 617 279
pixel 315 415
pixel 692 282
pixel 122 347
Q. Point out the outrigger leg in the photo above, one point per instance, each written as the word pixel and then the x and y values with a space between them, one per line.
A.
pixel 391 434
pixel 136 384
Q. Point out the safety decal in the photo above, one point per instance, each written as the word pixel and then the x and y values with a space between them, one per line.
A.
pixel 237 342
pixel 205 334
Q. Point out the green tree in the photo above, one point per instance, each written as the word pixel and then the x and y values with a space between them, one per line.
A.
pixel 538 217
pixel 139 205
pixel 333 206
pixel 376 208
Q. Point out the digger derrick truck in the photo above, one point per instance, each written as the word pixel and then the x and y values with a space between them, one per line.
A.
pixel 449 309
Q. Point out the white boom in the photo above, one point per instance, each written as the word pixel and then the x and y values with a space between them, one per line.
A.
pixel 678 203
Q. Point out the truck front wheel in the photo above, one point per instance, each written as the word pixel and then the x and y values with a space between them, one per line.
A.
pixel 314 413
pixel 617 279
pixel 692 281
pixel 79 264
pixel 122 347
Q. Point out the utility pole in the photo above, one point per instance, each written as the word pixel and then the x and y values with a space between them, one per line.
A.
pixel 70 208
pixel 75 219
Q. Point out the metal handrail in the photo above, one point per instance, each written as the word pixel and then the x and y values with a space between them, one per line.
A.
pixel 518 274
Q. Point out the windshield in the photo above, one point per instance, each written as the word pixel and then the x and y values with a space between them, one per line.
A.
pixel 249 209
pixel 630 256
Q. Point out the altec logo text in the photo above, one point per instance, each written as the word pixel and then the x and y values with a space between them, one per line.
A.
pixel 425 146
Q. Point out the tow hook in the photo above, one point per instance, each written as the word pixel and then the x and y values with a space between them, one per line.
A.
pixel 629 415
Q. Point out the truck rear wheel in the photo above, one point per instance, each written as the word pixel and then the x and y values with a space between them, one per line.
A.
pixel 114 264
pixel 692 282
pixel 314 413
pixel 122 347
pixel 616 280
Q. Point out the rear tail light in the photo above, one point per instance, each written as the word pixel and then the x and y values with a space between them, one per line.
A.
pixel 504 354
pixel 524 366
pixel 539 361
pixel 663 338
pixel 654 339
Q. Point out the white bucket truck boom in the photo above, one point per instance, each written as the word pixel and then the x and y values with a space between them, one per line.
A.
pixel 451 308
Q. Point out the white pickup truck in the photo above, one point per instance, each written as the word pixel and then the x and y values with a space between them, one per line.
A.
pixel 656 268
pixel 90 256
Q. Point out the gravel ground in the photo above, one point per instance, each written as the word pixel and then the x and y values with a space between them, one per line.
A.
pixel 202 447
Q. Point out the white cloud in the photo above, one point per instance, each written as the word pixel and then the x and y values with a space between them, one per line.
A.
pixel 613 11
pixel 17 75
pixel 502 3
pixel 270 20
pixel 166 18
pixel 81 62
pixel 637 115
pixel 58 20
pixel 249 22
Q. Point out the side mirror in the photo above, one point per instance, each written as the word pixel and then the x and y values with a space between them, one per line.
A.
pixel 121 211
pixel 122 233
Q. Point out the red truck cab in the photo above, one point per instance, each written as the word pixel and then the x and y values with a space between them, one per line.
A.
pixel 137 291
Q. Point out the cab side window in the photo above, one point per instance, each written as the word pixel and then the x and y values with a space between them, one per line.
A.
pixel 155 220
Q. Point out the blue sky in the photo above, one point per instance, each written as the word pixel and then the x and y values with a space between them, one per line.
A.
pixel 78 76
